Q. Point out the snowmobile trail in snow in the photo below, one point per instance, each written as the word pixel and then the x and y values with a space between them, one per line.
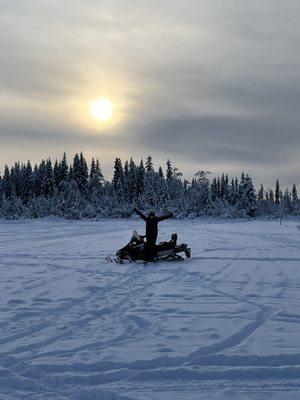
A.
pixel 224 324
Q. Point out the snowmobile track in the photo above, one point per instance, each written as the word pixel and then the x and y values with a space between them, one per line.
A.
pixel 224 324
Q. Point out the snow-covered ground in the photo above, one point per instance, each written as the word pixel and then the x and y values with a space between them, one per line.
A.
pixel 222 325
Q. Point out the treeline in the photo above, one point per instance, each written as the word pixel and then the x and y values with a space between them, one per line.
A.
pixel 77 191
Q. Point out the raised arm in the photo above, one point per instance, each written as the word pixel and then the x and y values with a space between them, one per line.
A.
pixel 140 214
pixel 167 216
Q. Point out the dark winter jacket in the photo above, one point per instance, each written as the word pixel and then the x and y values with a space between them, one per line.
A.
pixel 152 225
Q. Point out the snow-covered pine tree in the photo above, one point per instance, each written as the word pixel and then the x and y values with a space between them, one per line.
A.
pixel 36 181
pixel 174 185
pixel 237 193
pixel 80 173
pixel 28 183
pixel 214 189
pixel 61 173
pixel 232 194
pixel 95 177
pixel 287 202
pixel 261 193
pixel 126 188
pixel 140 178
pixel 261 202
pixel 48 179
pixel 149 194
pixel 241 185
pixel 169 170
pixel 218 188
pixel 76 170
pixel 248 202
pixel 295 200
pixel 96 190
pixel 84 174
pixel 161 173
pixel 42 180
pixel 15 178
pixel 149 165
pixel 132 181
pixel 63 170
pixel 224 188
pixel 294 193
pixel 161 189
pixel 200 201
pixel 56 173
pixel 6 183
pixel 12 208
pixel 118 179
pixel 277 192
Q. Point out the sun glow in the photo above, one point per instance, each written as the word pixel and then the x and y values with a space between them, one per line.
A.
pixel 102 109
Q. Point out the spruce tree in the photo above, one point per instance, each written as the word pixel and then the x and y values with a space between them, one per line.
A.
pixel 16 182
pixel 287 202
pixel 241 185
pixel 28 183
pixel 47 178
pixel 149 193
pixel 224 188
pixel 277 192
pixel 169 170
pixel 80 173
pixel 161 173
pixel 214 189
pixel 261 193
pixel 95 177
pixel 140 178
pixel 118 178
pixel 63 169
pixel 237 193
pixel 294 193
pixel 6 183
pixel 248 197
pixel 126 184
pixel 234 192
pixel 76 170
pixel 132 181
pixel 218 191
pixel 56 174
pixel 84 174
pixel 149 165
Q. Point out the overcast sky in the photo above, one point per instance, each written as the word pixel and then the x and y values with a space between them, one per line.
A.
pixel 211 84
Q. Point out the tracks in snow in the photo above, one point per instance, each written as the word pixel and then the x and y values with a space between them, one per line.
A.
pixel 71 323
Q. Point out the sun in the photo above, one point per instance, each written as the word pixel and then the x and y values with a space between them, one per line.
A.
pixel 102 109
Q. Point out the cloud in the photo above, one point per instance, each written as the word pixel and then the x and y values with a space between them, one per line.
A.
pixel 222 138
pixel 210 80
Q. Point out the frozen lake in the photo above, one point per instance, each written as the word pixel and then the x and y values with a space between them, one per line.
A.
pixel 223 325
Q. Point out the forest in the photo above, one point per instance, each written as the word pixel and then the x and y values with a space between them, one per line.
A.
pixel 75 190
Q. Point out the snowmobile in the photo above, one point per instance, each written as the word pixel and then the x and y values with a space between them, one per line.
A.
pixel 137 250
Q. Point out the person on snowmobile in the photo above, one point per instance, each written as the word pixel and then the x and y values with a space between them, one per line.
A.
pixel 152 226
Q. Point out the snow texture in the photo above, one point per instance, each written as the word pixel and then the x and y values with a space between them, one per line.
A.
pixel 222 325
